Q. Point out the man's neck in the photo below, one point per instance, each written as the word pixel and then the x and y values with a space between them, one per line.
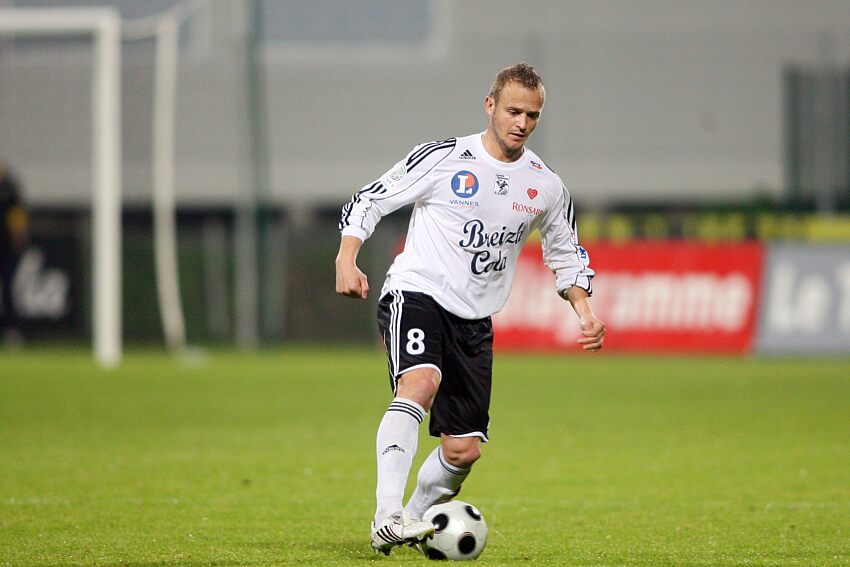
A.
pixel 497 151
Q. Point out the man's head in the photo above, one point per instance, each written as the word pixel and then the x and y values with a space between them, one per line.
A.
pixel 523 74
pixel 513 106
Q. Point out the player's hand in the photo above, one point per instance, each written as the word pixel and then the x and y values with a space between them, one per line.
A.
pixel 351 281
pixel 593 333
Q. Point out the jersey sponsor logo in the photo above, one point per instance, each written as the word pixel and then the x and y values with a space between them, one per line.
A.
pixel 466 155
pixel 391 178
pixel 481 243
pixel 532 193
pixel 502 184
pixel 464 184
pixel 534 166
pixel 582 253
pixel 527 209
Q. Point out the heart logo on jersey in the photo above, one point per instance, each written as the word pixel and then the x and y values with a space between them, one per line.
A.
pixel 532 193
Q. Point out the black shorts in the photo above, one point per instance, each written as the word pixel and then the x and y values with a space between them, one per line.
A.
pixel 419 333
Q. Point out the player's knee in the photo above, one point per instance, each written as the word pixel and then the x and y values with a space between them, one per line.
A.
pixel 462 455
pixel 419 385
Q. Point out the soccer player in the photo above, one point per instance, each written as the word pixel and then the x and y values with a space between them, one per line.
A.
pixel 476 199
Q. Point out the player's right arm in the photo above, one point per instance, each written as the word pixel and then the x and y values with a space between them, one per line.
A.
pixel 350 280
pixel 405 183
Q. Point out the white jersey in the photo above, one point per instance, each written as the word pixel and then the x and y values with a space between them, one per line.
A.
pixel 471 216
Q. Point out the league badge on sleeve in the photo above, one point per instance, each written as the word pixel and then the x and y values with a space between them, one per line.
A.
pixel 391 178
pixel 502 184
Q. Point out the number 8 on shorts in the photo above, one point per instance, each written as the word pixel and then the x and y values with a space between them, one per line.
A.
pixel 412 326
pixel 415 346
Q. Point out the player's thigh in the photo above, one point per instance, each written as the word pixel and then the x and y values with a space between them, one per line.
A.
pixel 412 331
pixel 461 407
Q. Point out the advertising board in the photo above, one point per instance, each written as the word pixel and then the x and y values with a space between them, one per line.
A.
pixel 805 300
pixel 655 296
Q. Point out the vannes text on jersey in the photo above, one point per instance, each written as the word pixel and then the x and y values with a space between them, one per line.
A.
pixel 478 240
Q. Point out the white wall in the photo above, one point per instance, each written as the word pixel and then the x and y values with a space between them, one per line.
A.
pixel 647 100
pixel 658 100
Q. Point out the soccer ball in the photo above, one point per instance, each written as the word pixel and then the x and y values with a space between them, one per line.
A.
pixel 459 531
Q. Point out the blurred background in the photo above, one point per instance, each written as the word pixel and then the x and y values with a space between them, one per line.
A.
pixel 723 126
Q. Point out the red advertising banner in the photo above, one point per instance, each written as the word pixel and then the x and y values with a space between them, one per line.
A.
pixel 654 296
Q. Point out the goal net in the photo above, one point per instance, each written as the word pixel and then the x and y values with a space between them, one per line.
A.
pixel 108 115
pixel 102 27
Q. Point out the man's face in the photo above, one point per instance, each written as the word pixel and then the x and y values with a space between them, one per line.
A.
pixel 513 117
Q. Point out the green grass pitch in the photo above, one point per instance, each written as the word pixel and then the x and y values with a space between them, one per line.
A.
pixel 268 459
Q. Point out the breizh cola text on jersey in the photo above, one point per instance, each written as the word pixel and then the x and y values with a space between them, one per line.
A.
pixel 472 214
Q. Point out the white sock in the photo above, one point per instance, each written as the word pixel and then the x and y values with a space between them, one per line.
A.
pixel 395 445
pixel 437 482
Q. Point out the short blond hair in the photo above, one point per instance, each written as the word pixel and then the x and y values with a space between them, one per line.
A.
pixel 521 73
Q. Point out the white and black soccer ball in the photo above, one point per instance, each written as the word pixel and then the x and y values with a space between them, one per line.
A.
pixel 460 531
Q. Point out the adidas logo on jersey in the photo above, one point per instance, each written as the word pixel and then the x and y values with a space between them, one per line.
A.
pixel 466 155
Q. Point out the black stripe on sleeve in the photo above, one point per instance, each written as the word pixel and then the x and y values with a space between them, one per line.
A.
pixel 377 188
pixel 413 163
pixel 424 148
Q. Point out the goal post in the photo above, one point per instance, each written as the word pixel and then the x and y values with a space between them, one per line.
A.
pixel 103 24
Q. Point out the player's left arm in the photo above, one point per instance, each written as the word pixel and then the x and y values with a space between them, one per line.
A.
pixel 571 265
pixel 592 328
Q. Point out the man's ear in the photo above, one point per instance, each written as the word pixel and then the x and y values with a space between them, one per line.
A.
pixel 489 105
